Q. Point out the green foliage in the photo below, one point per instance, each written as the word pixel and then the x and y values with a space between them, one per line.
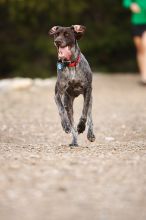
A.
pixel 26 49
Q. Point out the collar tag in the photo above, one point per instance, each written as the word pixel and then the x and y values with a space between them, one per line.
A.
pixel 60 66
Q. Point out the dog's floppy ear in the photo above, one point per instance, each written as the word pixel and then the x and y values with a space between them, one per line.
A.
pixel 53 30
pixel 78 30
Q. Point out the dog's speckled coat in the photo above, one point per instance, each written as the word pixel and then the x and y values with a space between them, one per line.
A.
pixel 73 81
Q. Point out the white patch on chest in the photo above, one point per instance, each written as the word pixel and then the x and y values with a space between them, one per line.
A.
pixel 72 73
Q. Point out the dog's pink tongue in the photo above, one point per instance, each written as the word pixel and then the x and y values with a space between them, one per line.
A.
pixel 64 53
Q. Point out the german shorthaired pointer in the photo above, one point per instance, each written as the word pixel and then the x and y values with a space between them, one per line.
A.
pixel 74 77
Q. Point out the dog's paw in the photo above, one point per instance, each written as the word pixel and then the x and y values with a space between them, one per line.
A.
pixel 81 126
pixel 66 125
pixel 90 136
pixel 73 144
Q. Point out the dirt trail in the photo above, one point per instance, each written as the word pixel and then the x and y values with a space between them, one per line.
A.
pixel 41 178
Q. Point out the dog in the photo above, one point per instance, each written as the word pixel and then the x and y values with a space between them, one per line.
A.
pixel 74 77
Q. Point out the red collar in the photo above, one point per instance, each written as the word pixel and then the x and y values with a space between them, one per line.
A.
pixel 74 63
pixel 62 64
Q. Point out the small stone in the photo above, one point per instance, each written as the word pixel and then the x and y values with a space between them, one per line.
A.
pixel 109 138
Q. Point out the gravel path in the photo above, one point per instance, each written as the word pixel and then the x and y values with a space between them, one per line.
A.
pixel 41 178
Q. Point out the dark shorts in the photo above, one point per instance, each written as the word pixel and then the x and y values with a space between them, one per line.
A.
pixel 138 30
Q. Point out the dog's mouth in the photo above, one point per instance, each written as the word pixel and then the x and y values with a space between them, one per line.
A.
pixel 64 53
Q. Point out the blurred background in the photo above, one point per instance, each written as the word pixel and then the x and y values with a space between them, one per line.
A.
pixel 27 50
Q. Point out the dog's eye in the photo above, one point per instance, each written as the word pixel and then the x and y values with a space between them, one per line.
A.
pixel 66 34
pixel 56 35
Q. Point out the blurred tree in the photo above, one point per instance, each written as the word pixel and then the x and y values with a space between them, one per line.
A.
pixel 26 49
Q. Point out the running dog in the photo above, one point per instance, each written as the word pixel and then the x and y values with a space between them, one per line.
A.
pixel 74 77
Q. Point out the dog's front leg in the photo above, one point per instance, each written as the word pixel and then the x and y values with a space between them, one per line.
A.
pixel 62 112
pixel 82 123
pixel 68 104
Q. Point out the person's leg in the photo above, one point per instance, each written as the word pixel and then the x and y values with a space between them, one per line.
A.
pixel 144 56
pixel 139 52
pixel 138 41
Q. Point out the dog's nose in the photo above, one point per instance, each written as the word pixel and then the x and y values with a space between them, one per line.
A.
pixel 58 42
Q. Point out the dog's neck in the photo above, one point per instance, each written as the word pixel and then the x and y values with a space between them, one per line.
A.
pixel 75 52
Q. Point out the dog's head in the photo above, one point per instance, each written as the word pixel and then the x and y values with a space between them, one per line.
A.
pixel 65 39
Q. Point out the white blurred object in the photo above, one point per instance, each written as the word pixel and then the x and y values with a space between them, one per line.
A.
pixel 15 84
pixel 21 83
pixel 5 84
pixel 24 83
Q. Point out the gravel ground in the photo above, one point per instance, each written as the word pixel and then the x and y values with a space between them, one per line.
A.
pixel 42 178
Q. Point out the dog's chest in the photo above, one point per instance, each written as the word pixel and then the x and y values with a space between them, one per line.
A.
pixel 72 75
pixel 73 82
pixel 75 87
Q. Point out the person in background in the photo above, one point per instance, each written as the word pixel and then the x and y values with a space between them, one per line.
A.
pixel 138 20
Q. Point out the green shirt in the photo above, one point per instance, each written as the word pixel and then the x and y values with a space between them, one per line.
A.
pixel 137 18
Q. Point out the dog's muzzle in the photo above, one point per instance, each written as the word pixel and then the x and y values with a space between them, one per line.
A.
pixel 64 53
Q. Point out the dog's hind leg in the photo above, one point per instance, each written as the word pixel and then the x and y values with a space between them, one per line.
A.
pixel 90 134
pixel 68 104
